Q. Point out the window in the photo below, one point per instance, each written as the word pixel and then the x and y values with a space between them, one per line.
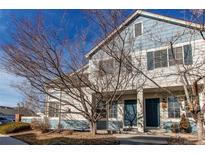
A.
pixel 127 65
pixel 160 58
pixel 173 108
pixel 177 55
pixel 106 67
pixel 54 109
pixel 150 61
pixel 186 107
pixel 188 54
pixel 138 29
pixel 101 109
pixel 188 113
pixel 113 110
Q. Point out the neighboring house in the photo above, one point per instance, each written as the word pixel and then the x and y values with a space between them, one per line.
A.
pixel 151 33
pixel 10 112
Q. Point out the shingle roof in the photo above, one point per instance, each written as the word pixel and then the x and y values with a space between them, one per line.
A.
pixel 4 110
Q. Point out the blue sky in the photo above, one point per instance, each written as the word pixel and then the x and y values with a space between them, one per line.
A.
pixel 9 96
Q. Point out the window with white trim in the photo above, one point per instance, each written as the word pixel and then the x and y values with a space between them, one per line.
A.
pixel 160 58
pixel 166 57
pixel 127 65
pixel 54 109
pixel 113 110
pixel 138 29
pixel 106 67
pixel 175 54
pixel 101 109
pixel 173 107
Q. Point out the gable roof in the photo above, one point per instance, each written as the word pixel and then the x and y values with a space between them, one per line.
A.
pixel 57 80
pixel 5 110
pixel 135 15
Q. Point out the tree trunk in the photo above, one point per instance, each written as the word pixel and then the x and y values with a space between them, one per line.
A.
pixel 200 129
pixel 93 127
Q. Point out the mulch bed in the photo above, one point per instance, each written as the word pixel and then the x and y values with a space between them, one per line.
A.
pixel 179 141
pixel 182 139
pixel 76 138
pixel 86 138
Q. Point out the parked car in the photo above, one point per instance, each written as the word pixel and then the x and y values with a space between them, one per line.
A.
pixel 4 120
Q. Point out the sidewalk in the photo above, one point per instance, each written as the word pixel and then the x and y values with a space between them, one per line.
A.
pixel 7 140
pixel 128 139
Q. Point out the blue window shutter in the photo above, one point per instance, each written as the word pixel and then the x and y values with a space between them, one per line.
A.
pixel 188 54
pixel 150 61
pixel 115 109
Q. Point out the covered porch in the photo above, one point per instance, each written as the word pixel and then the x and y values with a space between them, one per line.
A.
pixel 162 110
pixel 126 113
pixel 145 110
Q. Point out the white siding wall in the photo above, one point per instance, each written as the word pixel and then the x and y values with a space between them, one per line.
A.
pixel 141 46
pixel 162 76
pixel 66 108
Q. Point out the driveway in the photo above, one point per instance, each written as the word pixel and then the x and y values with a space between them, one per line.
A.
pixel 126 139
pixel 7 140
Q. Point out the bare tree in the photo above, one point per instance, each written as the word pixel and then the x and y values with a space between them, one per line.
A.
pixel 32 99
pixel 52 63
pixel 193 76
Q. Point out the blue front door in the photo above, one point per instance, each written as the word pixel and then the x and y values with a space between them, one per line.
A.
pixel 130 113
pixel 152 107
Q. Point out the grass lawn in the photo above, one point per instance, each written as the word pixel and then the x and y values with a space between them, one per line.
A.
pixel 83 138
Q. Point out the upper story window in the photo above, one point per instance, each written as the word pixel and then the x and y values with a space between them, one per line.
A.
pixel 173 108
pixel 138 29
pixel 166 57
pixel 188 54
pixel 109 66
pixel 128 64
pixel 177 55
pixel 160 58
pixel 106 67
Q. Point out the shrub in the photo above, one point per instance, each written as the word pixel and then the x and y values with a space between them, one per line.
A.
pixel 45 125
pixel 67 132
pixel 175 128
pixel 14 127
pixel 42 125
pixel 35 124
pixel 184 124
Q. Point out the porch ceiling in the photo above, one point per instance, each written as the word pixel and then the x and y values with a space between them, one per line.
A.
pixel 172 88
pixel 159 90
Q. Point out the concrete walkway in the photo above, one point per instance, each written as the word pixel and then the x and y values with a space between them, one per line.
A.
pixel 127 139
pixel 7 140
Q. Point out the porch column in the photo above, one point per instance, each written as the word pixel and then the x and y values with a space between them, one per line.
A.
pixel 140 115
pixel 202 101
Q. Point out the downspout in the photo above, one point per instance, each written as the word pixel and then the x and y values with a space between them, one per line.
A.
pixel 107 118
pixel 59 117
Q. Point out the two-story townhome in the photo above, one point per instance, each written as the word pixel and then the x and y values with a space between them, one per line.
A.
pixel 152 107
